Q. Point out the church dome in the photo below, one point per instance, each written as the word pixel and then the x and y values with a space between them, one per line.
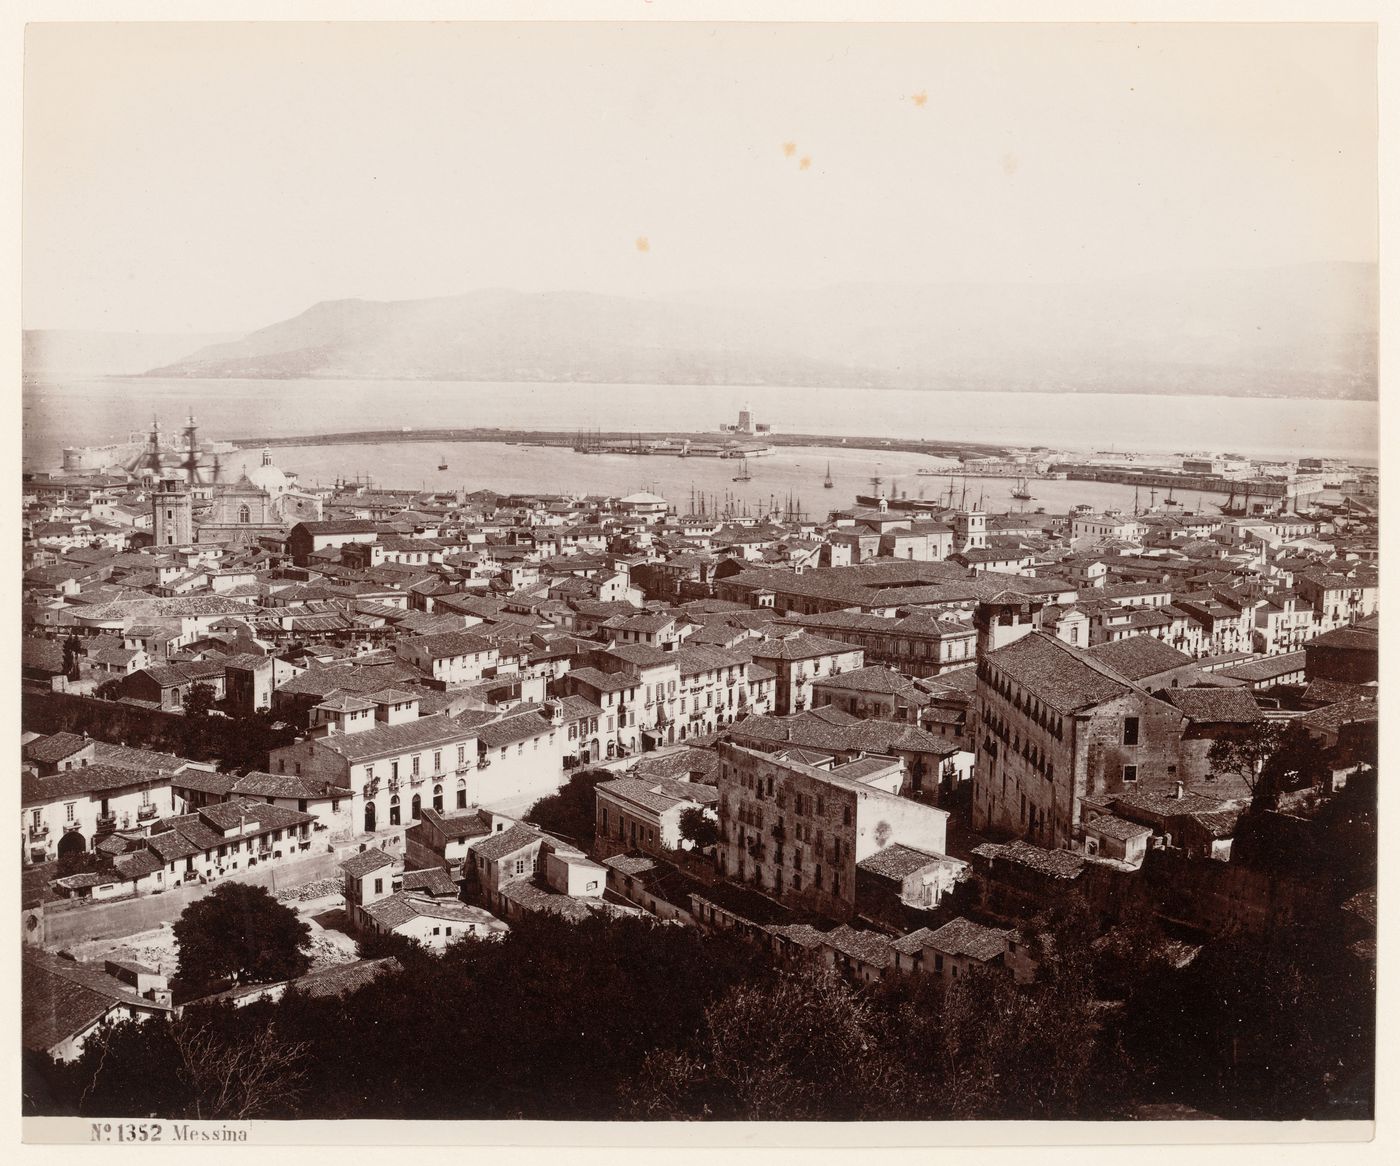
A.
pixel 268 477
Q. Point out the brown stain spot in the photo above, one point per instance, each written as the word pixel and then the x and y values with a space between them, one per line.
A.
pixel 921 98
pixel 1010 164
pixel 789 149
pixel 805 164
pixel 643 243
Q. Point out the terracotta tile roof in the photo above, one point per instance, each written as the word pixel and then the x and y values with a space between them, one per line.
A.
pixel 1064 678
pixel 367 862
pixel 897 861
pixel 507 842
pixel 1215 705
pixel 1137 657
pixel 1060 864
pixel 963 937
pixel 869 947
pixel 54 748
pixel 1120 829
pixel 61 998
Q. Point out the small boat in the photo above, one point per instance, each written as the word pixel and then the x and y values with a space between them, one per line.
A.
pixel 827 482
pixel 744 475
pixel 442 462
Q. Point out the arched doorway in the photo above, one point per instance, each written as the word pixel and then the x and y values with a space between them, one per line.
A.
pixel 437 798
pixel 461 793
pixel 72 842
pixel 394 810
pixel 417 807
pixel 369 817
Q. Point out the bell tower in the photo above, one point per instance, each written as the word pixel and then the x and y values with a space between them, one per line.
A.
pixel 172 513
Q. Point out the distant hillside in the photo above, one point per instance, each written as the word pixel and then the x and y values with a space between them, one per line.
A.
pixel 1307 331
pixel 55 354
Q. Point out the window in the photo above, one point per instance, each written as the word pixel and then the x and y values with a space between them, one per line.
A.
pixel 520 866
pixel 1130 773
pixel 70 811
pixel 437 762
pixel 461 754
pixel 416 760
pixel 244 514
pixel 1130 730
pixel 378 886
pixel 335 805
pixel 35 816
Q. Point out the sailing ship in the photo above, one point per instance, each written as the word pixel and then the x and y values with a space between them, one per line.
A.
pixel 442 462
pixel 744 475
pixel 1022 490
pixel 827 482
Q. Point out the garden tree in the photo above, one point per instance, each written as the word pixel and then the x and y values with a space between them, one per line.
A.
pixel 768 1053
pixel 77 862
pixel 243 742
pixel 1298 761
pixel 699 828
pixel 239 933
pixel 199 701
pixel 108 689
pixel 570 812
pixel 73 651
pixel 1243 754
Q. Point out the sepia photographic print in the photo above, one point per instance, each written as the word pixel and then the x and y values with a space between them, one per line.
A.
pixel 656 572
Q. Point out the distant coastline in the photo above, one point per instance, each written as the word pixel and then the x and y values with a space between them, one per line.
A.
pixel 1076 390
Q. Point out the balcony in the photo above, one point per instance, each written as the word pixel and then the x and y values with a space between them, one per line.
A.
pixel 145 813
pixel 106 823
pixel 38 833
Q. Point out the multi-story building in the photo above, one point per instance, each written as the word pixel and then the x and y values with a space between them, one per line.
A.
pixel 644 813
pixel 1056 726
pixel 389 768
pixel 797 832
pixel 1339 600
pixel 1282 624
pixel 450 658
pixel 918 644
pixel 796 660
pixel 68 811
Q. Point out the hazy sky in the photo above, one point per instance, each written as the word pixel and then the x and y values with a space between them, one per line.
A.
pixel 222 177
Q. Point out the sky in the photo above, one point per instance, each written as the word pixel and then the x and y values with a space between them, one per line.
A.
pixel 220 177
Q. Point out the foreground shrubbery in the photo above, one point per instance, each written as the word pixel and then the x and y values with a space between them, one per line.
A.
pixel 635 1019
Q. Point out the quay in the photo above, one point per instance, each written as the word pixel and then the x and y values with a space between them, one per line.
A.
pixel 623 440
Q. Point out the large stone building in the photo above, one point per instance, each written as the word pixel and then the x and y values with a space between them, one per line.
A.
pixel 1057 725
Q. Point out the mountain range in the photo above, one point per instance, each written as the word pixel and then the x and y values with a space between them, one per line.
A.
pixel 1301 331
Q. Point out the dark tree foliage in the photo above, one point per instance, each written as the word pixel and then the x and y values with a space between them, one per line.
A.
pixel 632 1018
pixel 1243 754
pixel 474 1032
pixel 1297 761
pixel 240 933
pixel 570 812
pixel 73 651
pixel 211 1063
pixel 767 1053
pixel 199 701
pixel 699 828
pixel 1278 1029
